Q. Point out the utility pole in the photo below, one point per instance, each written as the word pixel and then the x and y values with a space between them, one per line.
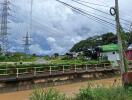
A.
pixel 118 30
pixel 4 26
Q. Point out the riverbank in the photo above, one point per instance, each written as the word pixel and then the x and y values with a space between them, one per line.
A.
pixel 69 89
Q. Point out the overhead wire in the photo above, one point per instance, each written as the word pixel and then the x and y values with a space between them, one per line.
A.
pixel 78 10
pixel 97 9
pixel 92 3
pixel 81 11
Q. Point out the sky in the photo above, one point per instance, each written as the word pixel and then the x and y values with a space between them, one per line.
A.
pixel 55 27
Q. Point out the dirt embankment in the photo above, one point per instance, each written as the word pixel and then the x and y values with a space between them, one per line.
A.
pixel 69 89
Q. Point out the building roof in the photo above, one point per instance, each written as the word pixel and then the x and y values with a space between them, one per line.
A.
pixel 109 47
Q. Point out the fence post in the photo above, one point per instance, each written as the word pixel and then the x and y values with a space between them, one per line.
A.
pixel 95 66
pixel 17 74
pixel 35 71
pixel 63 69
pixel 6 69
pixel 86 67
pixel 104 66
pixel 50 70
pixel 75 68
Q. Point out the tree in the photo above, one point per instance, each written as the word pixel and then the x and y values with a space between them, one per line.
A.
pixel 95 41
pixel 56 55
pixel 108 38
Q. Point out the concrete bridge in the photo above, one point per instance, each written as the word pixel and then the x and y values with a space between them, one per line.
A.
pixel 25 78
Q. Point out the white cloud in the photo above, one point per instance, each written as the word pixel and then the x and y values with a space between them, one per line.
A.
pixel 58 26
pixel 51 39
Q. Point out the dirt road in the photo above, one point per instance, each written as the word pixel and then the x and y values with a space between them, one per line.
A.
pixel 69 89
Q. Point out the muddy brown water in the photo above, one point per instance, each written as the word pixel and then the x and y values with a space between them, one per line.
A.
pixel 69 89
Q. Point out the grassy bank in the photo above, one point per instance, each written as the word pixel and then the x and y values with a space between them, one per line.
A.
pixel 89 93
pixel 75 61
pixel 57 64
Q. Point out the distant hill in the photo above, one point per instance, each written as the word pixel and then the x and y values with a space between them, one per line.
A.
pixel 103 39
pixel 92 42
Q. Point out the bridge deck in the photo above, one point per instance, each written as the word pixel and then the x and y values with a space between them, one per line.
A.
pixel 55 73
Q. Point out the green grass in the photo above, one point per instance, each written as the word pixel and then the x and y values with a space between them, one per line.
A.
pixel 75 61
pixel 40 94
pixel 103 93
pixel 89 93
pixel 17 59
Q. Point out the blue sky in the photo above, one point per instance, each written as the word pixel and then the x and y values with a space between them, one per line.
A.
pixel 56 28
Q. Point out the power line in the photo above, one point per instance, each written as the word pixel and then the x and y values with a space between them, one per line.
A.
pixel 97 9
pixel 90 7
pixel 85 13
pixel 103 16
pixel 92 3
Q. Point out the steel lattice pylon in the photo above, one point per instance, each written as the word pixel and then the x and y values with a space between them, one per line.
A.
pixel 4 26
pixel 27 38
pixel 27 43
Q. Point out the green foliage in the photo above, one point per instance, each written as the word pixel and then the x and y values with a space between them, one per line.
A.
pixel 89 93
pixel 103 93
pixel 46 57
pixel 80 61
pixel 16 57
pixel 56 55
pixel 107 38
pixel 91 42
pixel 40 94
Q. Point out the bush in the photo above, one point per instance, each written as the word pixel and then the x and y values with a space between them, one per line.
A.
pixel 40 94
pixel 89 93
pixel 101 93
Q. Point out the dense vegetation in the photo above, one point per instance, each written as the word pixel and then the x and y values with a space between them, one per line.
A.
pixel 76 62
pixel 89 93
pixel 104 39
pixel 102 93
pixel 51 94
pixel 16 57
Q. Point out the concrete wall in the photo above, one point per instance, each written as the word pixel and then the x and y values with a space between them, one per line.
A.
pixel 112 56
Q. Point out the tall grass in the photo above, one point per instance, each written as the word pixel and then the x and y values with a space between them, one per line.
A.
pixel 89 93
pixel 104 93
pixel 51 94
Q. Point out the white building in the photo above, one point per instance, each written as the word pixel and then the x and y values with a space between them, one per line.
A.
pixel 110 53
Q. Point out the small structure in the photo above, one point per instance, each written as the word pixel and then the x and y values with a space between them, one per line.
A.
pixel 72 55
pixel 129 52
pixel 110 52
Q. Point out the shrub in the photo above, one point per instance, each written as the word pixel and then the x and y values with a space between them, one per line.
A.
pixel 102 93
pixel 89 93
pixel 40 94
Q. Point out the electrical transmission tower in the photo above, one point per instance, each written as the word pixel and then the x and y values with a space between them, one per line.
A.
pixel 4 26
pixel 27 43
pixel 27 38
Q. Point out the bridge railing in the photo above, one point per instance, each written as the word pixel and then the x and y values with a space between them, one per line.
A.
pixel 52 69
